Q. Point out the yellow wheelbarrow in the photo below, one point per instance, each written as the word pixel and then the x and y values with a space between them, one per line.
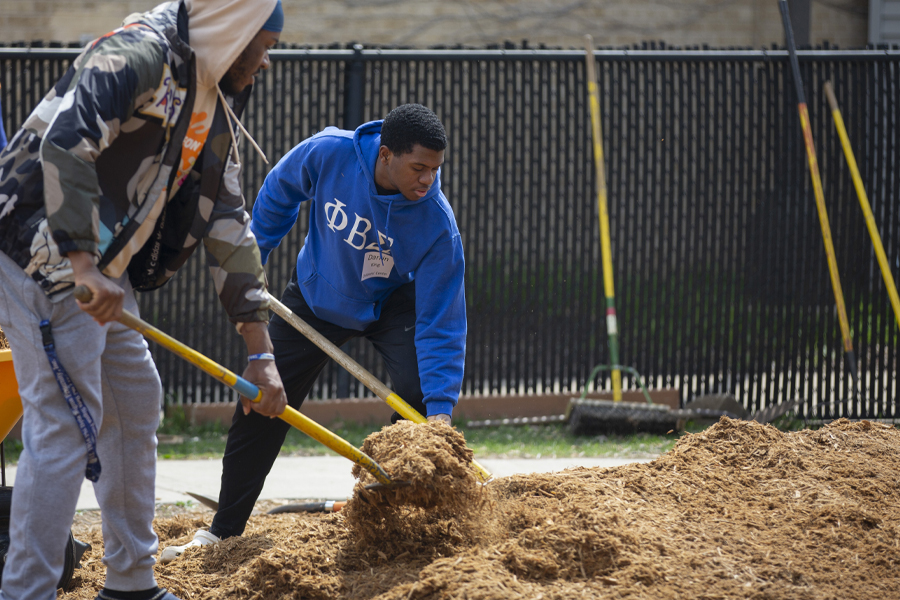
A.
pixel 10 402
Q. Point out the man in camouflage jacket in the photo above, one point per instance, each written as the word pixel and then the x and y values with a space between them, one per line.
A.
pixel 121 171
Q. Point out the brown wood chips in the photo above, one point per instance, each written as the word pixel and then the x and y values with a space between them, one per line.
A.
pixel 740 510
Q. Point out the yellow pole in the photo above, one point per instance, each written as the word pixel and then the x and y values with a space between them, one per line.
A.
pixel 864 203
pixel 605 244
pixel 819 194
pixel 826 229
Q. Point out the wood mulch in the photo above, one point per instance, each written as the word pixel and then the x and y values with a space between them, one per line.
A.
pixel 740 510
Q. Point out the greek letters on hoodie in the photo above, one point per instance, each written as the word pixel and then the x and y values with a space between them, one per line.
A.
pixel 362 246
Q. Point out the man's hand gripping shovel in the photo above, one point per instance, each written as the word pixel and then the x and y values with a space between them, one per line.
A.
pixel 355 369
pixel 249 390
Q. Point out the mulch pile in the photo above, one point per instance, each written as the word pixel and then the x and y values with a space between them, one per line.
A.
pixel 437 502
pixel 740 510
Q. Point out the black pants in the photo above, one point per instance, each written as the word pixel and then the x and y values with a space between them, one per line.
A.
pixel 255 440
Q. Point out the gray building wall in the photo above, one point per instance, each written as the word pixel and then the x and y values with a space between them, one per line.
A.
pixel 420 23
pixel 884 22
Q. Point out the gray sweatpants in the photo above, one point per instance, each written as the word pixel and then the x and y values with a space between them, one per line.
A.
pixel 112 369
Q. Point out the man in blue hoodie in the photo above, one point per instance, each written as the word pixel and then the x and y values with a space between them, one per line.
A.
pixel 382 260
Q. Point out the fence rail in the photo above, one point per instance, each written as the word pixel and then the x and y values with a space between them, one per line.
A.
pixel 721 276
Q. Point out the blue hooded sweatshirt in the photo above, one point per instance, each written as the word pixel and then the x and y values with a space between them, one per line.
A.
pixel 362 246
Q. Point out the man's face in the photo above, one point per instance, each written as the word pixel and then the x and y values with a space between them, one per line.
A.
pixel 245 67
pixel 412 173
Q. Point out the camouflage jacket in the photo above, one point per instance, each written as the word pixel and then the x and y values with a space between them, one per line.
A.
pixel 89 163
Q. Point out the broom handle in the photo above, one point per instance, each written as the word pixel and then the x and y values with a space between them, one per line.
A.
pixel 844 323
pixel 605 243
pixel 864 202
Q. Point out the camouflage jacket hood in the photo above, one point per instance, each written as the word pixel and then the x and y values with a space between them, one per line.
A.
pixel 94 168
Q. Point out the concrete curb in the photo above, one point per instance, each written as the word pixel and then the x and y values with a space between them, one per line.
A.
pixel 311 477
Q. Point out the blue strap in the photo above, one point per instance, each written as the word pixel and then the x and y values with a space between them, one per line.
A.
pixel 75 402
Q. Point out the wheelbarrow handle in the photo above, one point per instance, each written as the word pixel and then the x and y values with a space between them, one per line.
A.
pixel 291 416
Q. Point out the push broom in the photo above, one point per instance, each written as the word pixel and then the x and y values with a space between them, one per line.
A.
pixel 591 416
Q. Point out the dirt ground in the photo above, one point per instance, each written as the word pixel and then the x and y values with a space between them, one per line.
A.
pixel 740 510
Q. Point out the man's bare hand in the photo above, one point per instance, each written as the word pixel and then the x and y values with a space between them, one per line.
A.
pixel 264 375
pixel 441 417
pixel 108 298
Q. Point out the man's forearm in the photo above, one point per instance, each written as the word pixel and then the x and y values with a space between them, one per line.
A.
pixel 81 261
pixel 256 336
pixel 263 372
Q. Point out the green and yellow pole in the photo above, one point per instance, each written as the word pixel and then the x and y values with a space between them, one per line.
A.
pixel 820 198
pixel 864 202
pixel 605 245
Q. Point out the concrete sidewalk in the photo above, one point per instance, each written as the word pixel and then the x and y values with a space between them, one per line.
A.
pixel 311 477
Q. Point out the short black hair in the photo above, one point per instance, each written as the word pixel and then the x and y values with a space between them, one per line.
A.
pixel 411 124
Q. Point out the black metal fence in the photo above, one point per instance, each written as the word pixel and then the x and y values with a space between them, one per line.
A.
pixel 720 270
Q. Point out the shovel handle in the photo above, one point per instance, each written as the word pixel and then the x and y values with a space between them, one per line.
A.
pixel 217 371
pixel 361 374
pixel 340 357
pixel 332 440
pixel 291 416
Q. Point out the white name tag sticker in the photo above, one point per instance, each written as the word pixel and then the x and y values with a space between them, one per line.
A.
pixel 377 265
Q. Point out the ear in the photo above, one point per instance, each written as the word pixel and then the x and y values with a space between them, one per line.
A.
pixel 384 155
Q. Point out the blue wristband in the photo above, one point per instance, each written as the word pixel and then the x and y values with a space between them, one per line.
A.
pixel 261 356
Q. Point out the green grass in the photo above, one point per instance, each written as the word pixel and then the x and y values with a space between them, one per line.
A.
pixel 11 451
pixel 510 441
pixel 180 440
pixel 555 441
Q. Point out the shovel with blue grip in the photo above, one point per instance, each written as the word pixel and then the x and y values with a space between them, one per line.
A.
pixel 290 415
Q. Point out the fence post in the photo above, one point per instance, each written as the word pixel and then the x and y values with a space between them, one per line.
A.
pixel 354 81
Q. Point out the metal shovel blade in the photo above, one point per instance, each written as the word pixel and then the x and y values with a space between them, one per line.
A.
pixel 377 487
pixel 204 500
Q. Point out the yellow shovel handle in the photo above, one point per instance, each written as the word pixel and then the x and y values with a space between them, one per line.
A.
pixel 290 415
pixel 370 381
pixel 330 439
